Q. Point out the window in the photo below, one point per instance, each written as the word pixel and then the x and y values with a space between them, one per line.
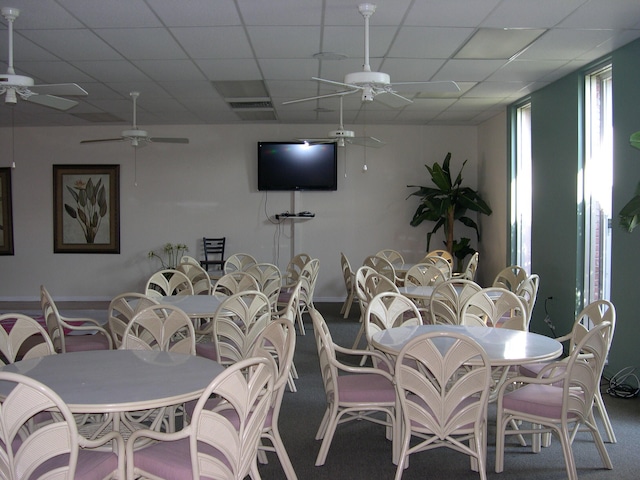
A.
pixel 520 193
pixel 597 184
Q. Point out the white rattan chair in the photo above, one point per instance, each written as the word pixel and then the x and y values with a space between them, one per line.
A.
pixel 198 276
pixel 558 402
pixel 348 276
pixel 269 280
pixel 22 338
pixel 495 307
pixel 447 299
pixel 383 267
pixel 160 327
pixel 53 448
pixel 122 308
pixel 89 335
pixel 220 443
pixel 358 395
pixel 238 262
pixel 168 282
pixel 392 255
pixel 510 277
pixel 443 380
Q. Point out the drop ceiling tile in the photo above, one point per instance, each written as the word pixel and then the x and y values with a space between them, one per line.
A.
pixel 468 70
pixel 218 42
pixel 112 13
pixel 411 70
pixel 289 12
pixel 231 69
pixel 613 14
pixel 526 70
pixel 421 42
pixel 78 44
pixel 199 13
pixel 172 70
pixel 142 43
pixel 55 72
pixel 564 44
pixel 278 42
pixel 111 71
pixel 446 14
pixel 527 14
pixel 350 41
pixel 288 69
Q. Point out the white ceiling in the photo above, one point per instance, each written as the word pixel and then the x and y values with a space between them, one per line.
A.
pixel 171 51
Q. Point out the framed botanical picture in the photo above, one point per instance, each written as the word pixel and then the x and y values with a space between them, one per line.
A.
pixel 6 220
pixel 86 208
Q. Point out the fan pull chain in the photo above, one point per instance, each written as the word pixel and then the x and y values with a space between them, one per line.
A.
pixel 364 111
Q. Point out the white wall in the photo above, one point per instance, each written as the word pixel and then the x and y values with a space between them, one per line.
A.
pixel 492 185
pixel 208 188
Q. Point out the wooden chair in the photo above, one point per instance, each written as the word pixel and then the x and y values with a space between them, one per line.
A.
pixel 213 249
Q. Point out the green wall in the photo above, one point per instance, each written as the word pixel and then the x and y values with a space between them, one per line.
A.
pixel 556 151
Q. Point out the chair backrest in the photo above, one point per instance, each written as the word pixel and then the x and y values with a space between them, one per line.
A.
pixel 44 450
pixel 198 276
pixel 213 249
pixel 528 291
pixel 370 283
pixel 326 355
pixel 469 272
pixel 294 267
pixel 392 255
pixel 291 308
pixel 122 309
pixel 269 280
pixel 52 320
pixel 233 426
pixel 238 321
pixel 310 274
pixel 584 370
pixel 510 277
pixel 160 327
pixel 442 382
pixel 448 298
pixel 388 310
pixel 168 282
pixel 278 341
pixel 426 274
pixel 382 266
pixel 239 261
pixel 495 307
pixel 439 262
pixel 22 338
pixel 234 282
pixel 440 253
pixel 189 259
pixel 595 313
pixel 348 274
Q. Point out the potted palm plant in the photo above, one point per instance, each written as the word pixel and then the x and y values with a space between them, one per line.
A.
pixel 631 211
pixel 447 203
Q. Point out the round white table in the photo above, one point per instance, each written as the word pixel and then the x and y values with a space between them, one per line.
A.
pixel 504 347
pixel 195 306
pixel 110 381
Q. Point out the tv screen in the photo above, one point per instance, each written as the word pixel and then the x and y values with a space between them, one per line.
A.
pixel 297 166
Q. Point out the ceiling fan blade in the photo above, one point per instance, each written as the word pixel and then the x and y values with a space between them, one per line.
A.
pixel 372 142
pixel 444 86
pixel 392 99
pixel 99 140
pixel 51 101
pixel 168 140
pixel 317 97
pixel 62 89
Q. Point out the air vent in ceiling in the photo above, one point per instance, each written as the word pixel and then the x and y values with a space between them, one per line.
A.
pixel 244 103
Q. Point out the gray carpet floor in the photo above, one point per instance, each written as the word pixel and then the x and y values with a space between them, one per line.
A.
pixel 360 451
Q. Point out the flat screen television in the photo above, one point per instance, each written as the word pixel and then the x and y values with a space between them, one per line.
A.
pixel 297 166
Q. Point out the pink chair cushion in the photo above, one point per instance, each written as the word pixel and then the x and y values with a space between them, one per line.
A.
pixel 82 343
pixel 540 400
pixel 531 370
pixel 365 388
pixel 207 350
pixel 170 459
pixel 91 464
pixel 8 324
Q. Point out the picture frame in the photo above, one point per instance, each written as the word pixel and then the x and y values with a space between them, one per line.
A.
pixel 6 212
pixel 86 208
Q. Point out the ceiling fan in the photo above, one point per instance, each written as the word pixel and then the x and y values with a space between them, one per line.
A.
pixel 376 84
pixel 341 136
pixel 14 86
pixel 137 137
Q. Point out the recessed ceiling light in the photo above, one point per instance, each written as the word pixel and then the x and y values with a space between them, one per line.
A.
pixel 329 56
